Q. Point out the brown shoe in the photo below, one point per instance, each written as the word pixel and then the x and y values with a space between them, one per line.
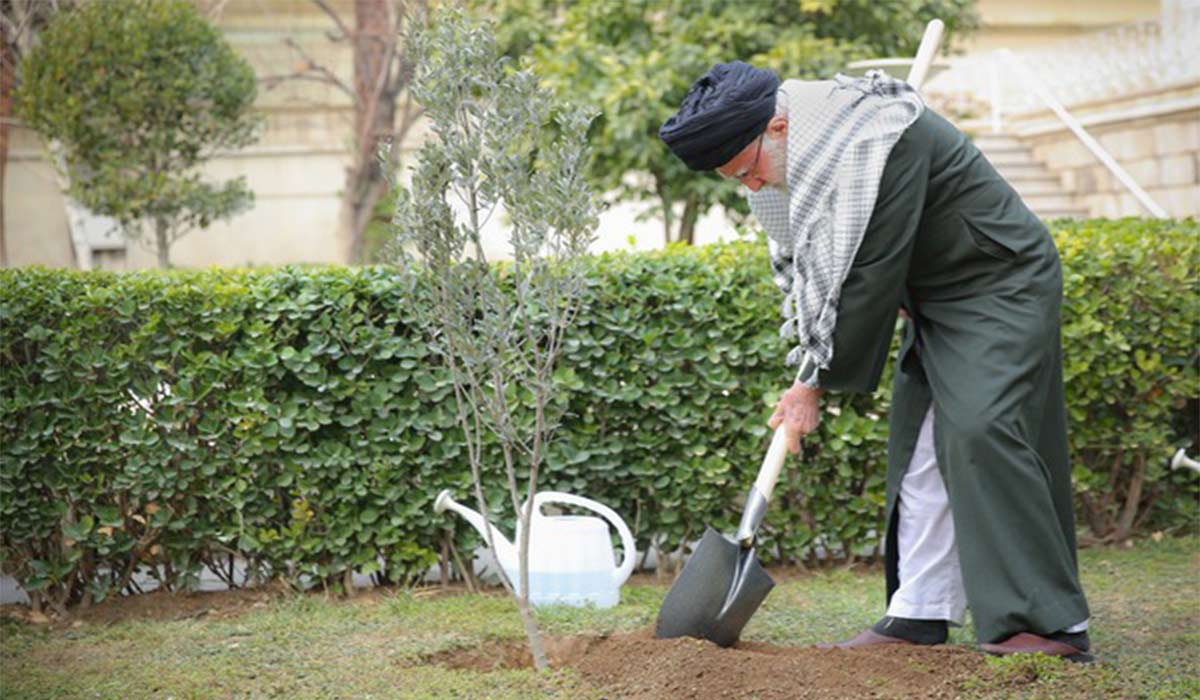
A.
pixel 1027 643
pixel 866 638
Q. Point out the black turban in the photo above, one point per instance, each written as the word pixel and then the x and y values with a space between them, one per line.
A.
pixel 723 112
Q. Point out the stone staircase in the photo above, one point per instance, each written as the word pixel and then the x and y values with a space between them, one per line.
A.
pixel 1042 190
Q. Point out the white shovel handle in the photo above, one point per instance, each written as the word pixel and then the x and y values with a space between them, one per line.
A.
pixel 768 473
pixel 925 53
pixel 756 501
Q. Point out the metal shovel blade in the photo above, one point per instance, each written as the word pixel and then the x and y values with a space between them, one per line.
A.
pixel 718 590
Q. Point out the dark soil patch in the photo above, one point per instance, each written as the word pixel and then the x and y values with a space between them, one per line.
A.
pixel 156 605
pixel 639 667
pixel 211 605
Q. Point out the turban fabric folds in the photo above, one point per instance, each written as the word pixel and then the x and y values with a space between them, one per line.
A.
pixel 726 109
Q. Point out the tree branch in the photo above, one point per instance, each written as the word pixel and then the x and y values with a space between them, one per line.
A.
pixel 311 70
pixel 271 82
pixel 344 31
pixel 215 11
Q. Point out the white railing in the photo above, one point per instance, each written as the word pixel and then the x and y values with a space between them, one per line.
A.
pixel 1039 89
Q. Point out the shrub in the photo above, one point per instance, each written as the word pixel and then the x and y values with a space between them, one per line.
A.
pixel 1130 312
pixel 294 417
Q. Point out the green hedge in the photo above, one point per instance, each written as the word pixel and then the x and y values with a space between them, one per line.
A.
pixel 1131 310
pixel 295 418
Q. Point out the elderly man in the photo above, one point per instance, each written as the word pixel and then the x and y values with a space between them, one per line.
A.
pixel 874 205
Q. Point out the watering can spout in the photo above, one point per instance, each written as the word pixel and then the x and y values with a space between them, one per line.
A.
pixel 505 551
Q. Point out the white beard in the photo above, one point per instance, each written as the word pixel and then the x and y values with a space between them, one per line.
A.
pixel 776 151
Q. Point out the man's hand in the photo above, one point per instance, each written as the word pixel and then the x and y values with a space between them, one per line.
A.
pixel 800 409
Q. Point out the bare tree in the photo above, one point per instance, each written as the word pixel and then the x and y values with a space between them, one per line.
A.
pixel 19 22
pixel 382 70
pixel 502 141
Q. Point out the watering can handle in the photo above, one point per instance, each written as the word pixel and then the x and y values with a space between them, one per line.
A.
pixel 629 555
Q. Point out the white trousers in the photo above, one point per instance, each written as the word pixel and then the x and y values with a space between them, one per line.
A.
pixel 931 585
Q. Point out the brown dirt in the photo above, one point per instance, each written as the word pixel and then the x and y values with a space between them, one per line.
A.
pixel 639 667
pixel 213 605
pixel 156 605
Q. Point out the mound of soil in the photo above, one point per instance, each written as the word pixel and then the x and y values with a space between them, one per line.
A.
pixel 639 667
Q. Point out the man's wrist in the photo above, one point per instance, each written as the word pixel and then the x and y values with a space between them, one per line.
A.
pixel 807 371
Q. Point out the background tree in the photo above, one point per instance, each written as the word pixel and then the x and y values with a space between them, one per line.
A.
pixel 382 70
pixel 501 141
pixel 137 94
pixel 20 21
pixel 633 60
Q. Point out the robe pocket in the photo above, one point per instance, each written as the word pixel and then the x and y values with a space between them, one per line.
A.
pixel 984 241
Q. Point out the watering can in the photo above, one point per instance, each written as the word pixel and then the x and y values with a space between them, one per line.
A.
pixel 570 556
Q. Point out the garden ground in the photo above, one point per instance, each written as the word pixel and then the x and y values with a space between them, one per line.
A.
pixel 449 644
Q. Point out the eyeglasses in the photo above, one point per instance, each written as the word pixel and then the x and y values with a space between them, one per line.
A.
pixel 745 172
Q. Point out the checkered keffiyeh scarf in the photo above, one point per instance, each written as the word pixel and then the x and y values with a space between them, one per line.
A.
pixel 840 133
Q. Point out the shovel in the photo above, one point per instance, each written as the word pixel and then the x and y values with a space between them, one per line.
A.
pixel 723 583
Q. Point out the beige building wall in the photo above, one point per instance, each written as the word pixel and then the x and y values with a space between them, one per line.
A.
pixel 292 220
pixel 35 222
pixel 1023 24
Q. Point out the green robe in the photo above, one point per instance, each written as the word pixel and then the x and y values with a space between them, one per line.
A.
pixel 951 241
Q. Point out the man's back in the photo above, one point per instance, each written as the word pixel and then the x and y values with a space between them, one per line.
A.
pixel 975 233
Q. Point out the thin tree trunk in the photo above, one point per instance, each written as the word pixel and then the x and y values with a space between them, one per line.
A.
pixel 1147 507
pixel 1095 516
pixel 468 573
pixel 444 561
pixel 162 247
pixel 667 202
pixel 533 633
pixel 86 571
pixel 365 186
pixel 691 214
pixel 59 604
pixel 7 79
pixel 1113 478
pixel 1132 497
pixel 644 559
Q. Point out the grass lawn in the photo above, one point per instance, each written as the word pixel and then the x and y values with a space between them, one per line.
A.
pixel 1145 630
